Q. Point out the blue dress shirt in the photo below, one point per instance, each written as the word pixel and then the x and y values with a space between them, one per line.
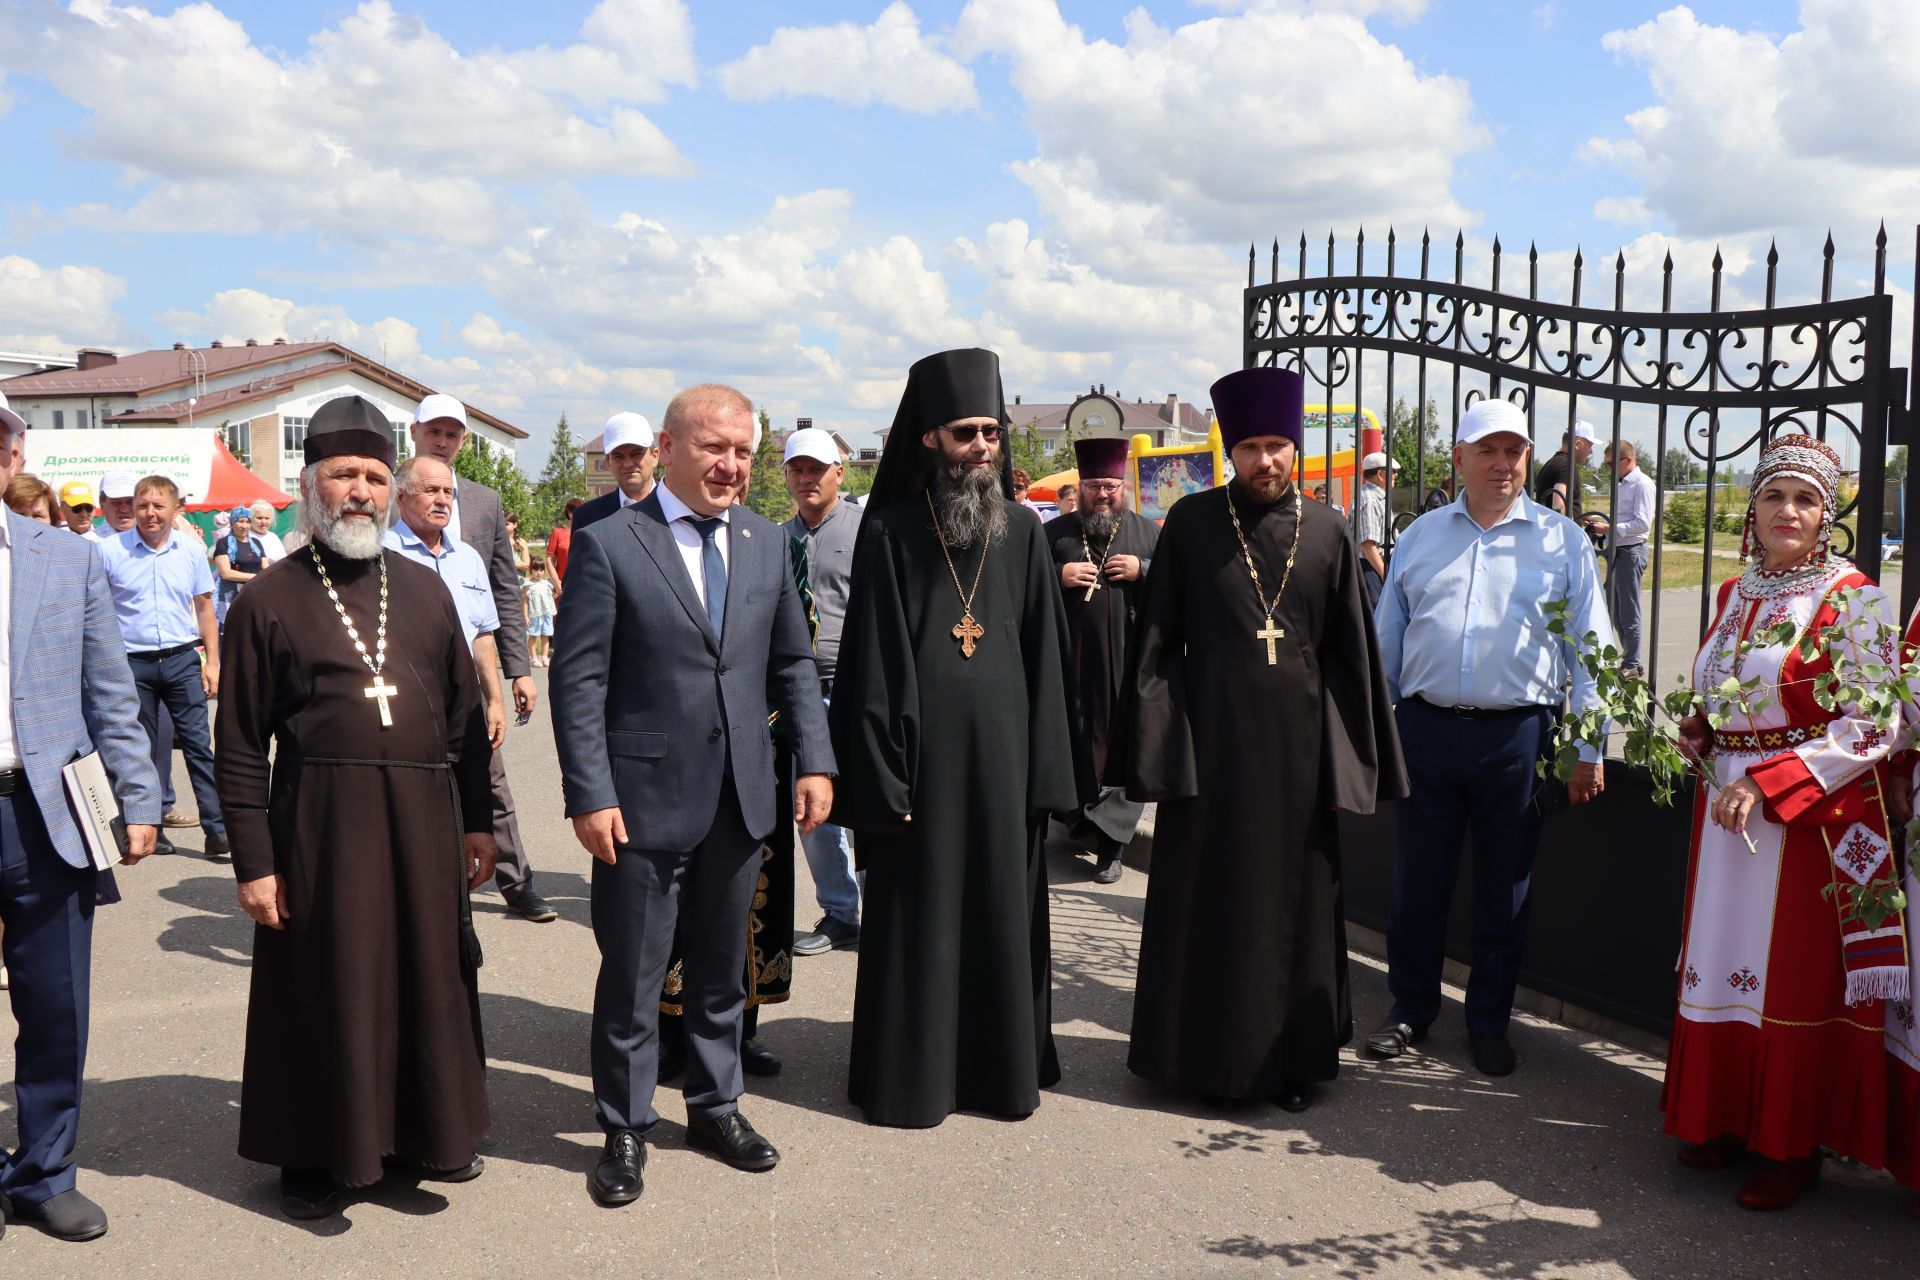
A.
pixel 153 591
pixel 1461 617
pixel 463 571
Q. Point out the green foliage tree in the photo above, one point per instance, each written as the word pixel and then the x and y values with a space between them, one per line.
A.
pixel 1676 468
pixel 564 477
pixel 1897 464
pixel 1686 517
pixel 496 469
pixel 1409 429
pixel 767 491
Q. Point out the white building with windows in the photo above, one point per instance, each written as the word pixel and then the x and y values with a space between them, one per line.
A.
pixel 259 396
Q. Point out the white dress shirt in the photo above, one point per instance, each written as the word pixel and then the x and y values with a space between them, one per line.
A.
pixel 9 746
pixel 680 518
pixel 1633 504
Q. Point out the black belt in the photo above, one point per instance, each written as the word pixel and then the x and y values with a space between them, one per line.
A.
pixel 12 780
pixel 161 655
pixel 1482 713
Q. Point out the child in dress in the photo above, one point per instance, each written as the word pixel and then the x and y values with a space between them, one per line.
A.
pixel 538 594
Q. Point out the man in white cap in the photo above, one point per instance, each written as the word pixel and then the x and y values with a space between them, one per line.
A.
pixel 1558 484
pixel 827 527
pixel 478 521
pixel 1370 524
pixel 631 457
pixel 1477 683
pixel 116 502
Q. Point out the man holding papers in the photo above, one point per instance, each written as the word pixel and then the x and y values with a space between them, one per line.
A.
pixel 66 692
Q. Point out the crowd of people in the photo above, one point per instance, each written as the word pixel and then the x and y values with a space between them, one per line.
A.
pixel 911 690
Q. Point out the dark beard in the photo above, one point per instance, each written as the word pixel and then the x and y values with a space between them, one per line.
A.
pixel 1100 526
pixel 970 505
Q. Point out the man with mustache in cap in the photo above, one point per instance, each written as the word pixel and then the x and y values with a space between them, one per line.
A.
pixel 951 724
pixel 1103 551
pixel 347 665
pixel 1253 711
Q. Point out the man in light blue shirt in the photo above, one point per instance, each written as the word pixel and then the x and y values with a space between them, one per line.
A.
pixel 1478 683
pixel 425 487
pixel 1635 500
pixel 163 600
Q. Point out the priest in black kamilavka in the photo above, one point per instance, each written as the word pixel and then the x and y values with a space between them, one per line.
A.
pixel 1254 710
pixel 352 755
pixel 1102 552
pixel 950 723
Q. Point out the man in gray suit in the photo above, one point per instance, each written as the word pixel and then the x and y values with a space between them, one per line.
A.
pixel 682 631
pixel 65 691
pixel 439 428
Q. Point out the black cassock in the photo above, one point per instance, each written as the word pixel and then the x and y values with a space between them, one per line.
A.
pixel 953 1003
pixel 1097 628
pixel 1243 962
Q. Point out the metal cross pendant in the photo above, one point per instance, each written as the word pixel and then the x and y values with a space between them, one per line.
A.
pixel 1092 587
pixel 1270 634
pixel 966 631
pixel 381 690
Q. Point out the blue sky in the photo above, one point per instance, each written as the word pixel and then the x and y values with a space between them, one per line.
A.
pixel 577 207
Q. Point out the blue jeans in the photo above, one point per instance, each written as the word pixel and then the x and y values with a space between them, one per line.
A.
pixel 175 681
pixel 829 851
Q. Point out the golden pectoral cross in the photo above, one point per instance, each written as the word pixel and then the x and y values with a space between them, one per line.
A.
pixel 1271 634
pixel 381 690
pixel 966 631
pixel 1093 586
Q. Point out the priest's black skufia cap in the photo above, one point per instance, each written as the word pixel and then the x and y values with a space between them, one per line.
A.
pixel 350 425
pixel 940 388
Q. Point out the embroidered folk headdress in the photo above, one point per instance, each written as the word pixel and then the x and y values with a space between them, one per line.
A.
pixel 1803 458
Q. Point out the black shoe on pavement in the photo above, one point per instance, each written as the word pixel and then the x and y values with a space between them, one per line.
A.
pixel 307 1195
pixel 731 1138
pixel 1294 1097
pixel 529 905
pixel 218 846
pixel 398 1168
pixel 1493 1055
pixel 758 1060
pixel 163 845
pixel 618 1178
pixel 831 934
pixel 67 1216
pixel 1394 1038
pixel 1108 872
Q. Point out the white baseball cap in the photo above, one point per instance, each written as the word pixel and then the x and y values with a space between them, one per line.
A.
pixel 13 421
pixel 1490 418
pixel 812 442
pixel 1373 462
pixel 1584 431
pixel 437 406
pixel 117 484
pixel 624 429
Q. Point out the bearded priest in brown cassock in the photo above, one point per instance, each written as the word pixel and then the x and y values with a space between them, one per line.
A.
pixel 1253 711
pixel 348 664
pixel 1103 552
pixel 950 725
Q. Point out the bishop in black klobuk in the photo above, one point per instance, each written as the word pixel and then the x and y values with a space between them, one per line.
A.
pixel 1254 708
pixel 348 710
pixel 951 725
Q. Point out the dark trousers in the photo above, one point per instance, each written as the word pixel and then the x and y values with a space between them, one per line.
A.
pixel 511 873
pixel 637 901
pixel 47 908
pixel 175 682
pixel 1467 777
pixel 163 757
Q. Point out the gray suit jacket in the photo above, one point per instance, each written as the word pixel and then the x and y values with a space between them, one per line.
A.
pixel 650 708
pixel 483 526
pixel 72 690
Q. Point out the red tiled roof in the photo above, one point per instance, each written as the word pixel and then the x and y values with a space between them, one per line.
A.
pixel 145 372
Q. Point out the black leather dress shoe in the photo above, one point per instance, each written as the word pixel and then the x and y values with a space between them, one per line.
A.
pixel 67 1216
pixel 218 846
pixel 1294 1097
pixel 758 1060
pixel 731 1138
pixel 1394 1039
pixel 1107 871
pixel 1492 1054
pixel 424 1173
pixel 529 905
pixel 308 1194
pixel 617 1179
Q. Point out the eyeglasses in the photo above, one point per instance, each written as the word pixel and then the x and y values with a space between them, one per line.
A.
pixel 965 435
pixel 1100 486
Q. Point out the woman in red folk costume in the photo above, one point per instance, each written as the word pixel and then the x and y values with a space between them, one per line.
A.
pixel 1778 1046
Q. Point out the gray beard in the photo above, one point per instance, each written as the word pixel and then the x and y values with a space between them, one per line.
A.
pixel 1100 526
pixel 354 540
pixel 970 505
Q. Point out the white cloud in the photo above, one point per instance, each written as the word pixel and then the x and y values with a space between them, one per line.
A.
pixel 380 127
pixel 888 61
pixel 57 309
pixel 1753 131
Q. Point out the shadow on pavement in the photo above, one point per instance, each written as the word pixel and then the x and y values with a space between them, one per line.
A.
pixel 217 930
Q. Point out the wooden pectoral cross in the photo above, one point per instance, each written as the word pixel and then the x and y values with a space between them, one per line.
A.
pixel 381 690
pixel 1270 634
pixel 966 631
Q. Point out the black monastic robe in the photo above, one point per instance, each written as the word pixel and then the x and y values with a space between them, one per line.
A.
pixel 363 1028
pixel 1097 629
pixel 1243 965
pixel 953 1001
